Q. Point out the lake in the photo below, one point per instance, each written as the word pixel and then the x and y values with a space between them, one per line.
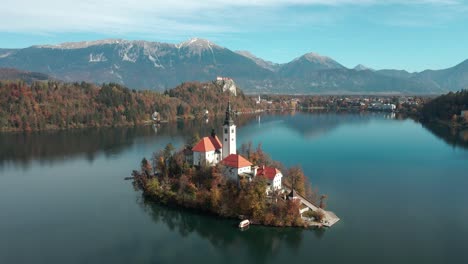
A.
pixel 399 189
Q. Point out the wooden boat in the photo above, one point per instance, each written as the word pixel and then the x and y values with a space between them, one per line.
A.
pixel 244 223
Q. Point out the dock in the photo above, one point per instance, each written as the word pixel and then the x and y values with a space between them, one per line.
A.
pixel 330 217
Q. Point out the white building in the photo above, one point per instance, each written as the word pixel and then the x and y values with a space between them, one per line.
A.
pixel 208 151
pixel 273 177
pixel 234 165
pixel 229 134
pixel 220 78
pixel 378 106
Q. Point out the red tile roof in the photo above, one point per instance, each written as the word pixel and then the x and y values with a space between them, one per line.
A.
pixel 216 143
pixel 236 161
pixel 207 144
pixel 268 172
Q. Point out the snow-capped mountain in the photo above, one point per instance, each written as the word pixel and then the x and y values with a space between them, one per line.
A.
pixel 137 64
pixel 361 67
pixel 307 63
pixel 154 65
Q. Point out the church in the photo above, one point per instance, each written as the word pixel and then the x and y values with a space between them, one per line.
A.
pixel 210 151
pixel 207 151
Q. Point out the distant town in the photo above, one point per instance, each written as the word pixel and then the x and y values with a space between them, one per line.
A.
pixel 406 106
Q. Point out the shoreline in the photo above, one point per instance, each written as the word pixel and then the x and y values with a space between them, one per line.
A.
pixel 189 118
pixel 200 211
pixel 446 123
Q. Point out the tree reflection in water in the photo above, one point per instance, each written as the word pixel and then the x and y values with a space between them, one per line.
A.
pixel 260 243
pixel 451 136
pixel 51 146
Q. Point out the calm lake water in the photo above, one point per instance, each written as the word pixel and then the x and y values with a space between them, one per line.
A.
pixel 400 191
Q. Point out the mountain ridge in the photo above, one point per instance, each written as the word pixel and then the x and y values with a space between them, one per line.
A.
pixel 156 65
pixel 26 76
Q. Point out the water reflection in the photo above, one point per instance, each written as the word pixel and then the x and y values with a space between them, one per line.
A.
pixel 156 127
pixel 51 146
pixel 259 243
pixel 451 136
pixel 58 145
pixel 316 124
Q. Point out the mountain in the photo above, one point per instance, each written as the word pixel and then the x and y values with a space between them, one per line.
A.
pixel 456 78
pixel 349 81
pixel 307 64
pixel 137 64
pixel 28 77
pixel 160 66
pixel 260 62
pixel 5 52
pixel 450 79
pixel 401 74
pixel 361 67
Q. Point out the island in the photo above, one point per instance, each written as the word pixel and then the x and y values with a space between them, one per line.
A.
pixel 209 175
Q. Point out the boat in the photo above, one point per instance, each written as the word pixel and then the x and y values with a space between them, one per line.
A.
pixel 244 223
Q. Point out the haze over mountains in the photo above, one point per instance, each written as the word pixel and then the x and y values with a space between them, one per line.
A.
pixel 154 65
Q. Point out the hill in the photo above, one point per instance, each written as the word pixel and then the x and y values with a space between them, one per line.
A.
pixel 28 77
pixel 445 107
pixel 209 96
pixel 57 105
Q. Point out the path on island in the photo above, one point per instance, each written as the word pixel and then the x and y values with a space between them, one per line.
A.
pixel 330 217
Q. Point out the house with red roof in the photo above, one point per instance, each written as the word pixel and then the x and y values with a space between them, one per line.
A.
pixel 208 151
pixel 235 165
pixel 272 175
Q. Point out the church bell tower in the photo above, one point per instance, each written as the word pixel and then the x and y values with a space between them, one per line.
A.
pixel 229 133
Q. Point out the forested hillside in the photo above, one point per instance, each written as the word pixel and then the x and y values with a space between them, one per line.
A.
pixel 28 77
pixel 57 105
pixel 208 96
pixel 445 107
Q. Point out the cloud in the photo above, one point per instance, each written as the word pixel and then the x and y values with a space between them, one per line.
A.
pixel 177 17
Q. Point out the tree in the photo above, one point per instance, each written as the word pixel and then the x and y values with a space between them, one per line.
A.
pixel 322 201
pixel 317 215
pixel 181 110
pixel 168 151
pixel 153 188
pixel 159 164
pixel 193 140
pixel 146 167
pixel 296 179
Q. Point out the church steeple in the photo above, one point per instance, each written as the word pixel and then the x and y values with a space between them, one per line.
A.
pixel 228 120
pixel 229 133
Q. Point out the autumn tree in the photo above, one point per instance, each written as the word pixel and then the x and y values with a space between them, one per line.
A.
pixel 296 179
pixel 193 140
pixel 146 167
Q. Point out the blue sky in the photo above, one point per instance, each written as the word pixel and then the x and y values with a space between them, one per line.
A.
pixel 412 35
